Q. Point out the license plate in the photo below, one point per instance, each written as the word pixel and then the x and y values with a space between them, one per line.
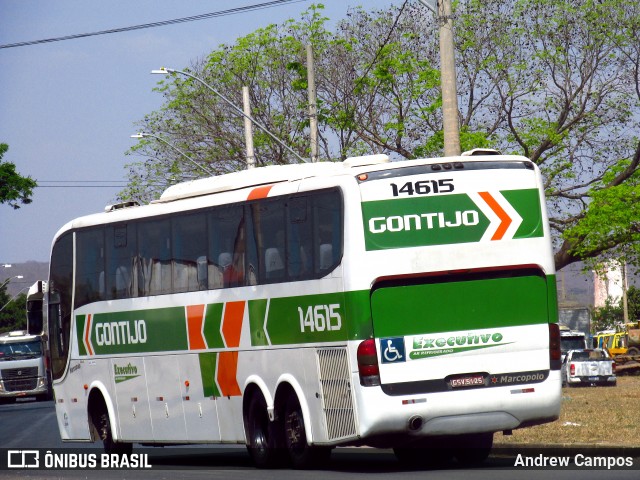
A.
pixel 593 379
pixel 468 381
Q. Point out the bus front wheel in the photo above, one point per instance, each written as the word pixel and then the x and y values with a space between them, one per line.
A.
pixel 301 454
pixel 102 425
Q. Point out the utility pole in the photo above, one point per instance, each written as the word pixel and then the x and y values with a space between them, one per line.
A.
pixel 442 10
pixel 313 106
pixel 248 132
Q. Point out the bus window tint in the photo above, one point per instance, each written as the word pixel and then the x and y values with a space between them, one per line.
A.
pixel 154 249
pixel 90 280
pixel 299 238
pixel 226 246
pixel 121 264
pixel 327 216
pixel 269 232
pixel 189 235
pixel 60 313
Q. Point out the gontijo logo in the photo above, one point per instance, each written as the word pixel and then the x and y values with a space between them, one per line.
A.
pixel 450 219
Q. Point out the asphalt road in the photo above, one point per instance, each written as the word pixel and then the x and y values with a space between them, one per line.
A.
pixel 32 425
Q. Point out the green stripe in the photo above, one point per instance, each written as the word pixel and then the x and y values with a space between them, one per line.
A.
pixel 212 322
pixel 208 374
pixel 257 311
pixel 138 331
pixel 80 322
pixel 307 319
pixel 527 204
pixel 460 305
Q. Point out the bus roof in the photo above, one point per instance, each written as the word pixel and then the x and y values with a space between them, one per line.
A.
pixel 273 174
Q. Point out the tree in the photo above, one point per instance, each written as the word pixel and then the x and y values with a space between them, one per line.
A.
pixel 557 81
pixel 14 188
pixel 14 314
pixel 611 314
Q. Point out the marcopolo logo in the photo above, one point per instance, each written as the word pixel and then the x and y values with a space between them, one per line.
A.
pixel 122 374
pixel 427 346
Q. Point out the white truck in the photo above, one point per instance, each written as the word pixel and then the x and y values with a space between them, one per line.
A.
pixel 588 367
pixel 22 367
pixel 571 340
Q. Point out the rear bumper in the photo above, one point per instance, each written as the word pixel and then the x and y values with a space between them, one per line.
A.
pixel 587 380
pixel 458 412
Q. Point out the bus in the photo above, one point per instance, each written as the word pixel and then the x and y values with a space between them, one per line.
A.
pixel 407 305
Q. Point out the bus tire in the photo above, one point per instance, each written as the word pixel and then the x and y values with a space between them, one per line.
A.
pixel 301 454
pixel 263 435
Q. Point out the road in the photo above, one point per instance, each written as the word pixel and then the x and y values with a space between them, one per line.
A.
pixel 32 425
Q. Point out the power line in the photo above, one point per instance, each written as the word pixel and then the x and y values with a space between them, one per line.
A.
pixel 222 13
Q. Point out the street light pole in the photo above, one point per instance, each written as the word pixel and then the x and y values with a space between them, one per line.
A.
pixel 167 71
pixel 177 150
pixel 442 10
pixel 14 297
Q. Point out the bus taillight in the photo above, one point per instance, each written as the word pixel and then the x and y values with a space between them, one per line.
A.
pixel 368 363
pixel 555 354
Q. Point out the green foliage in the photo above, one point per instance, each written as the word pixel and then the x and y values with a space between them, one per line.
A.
pixel 555 81
pixel 14 188
pixel 612 314
pixel 607 317
pixel 14 314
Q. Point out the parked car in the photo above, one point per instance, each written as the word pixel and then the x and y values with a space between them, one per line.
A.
pixel 588 367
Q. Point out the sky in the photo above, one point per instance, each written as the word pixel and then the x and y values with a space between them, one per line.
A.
pixel 68 108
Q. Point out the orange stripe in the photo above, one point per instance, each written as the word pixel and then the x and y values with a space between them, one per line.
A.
pixel 195 317
pixel 259 192
pixel 504 218
pixel 227 371
pixel 232 323
pixel 87 331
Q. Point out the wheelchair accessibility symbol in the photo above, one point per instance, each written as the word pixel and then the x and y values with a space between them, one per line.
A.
pixel 392 350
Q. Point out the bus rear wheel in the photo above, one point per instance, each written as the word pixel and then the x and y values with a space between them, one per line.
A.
pixel 263 436
pixel 301 454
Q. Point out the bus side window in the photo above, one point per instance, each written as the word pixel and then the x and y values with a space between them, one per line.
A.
pixel 299 239
pixel 189 248
pixel 268 237
pixel 90 264
pixel 155 256
pixel 225 233
pixel 121 261
pixel 328 230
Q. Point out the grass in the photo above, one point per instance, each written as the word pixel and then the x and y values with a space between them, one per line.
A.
pixel 589 415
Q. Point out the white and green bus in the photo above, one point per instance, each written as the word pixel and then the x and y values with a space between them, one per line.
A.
pixel 296 308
